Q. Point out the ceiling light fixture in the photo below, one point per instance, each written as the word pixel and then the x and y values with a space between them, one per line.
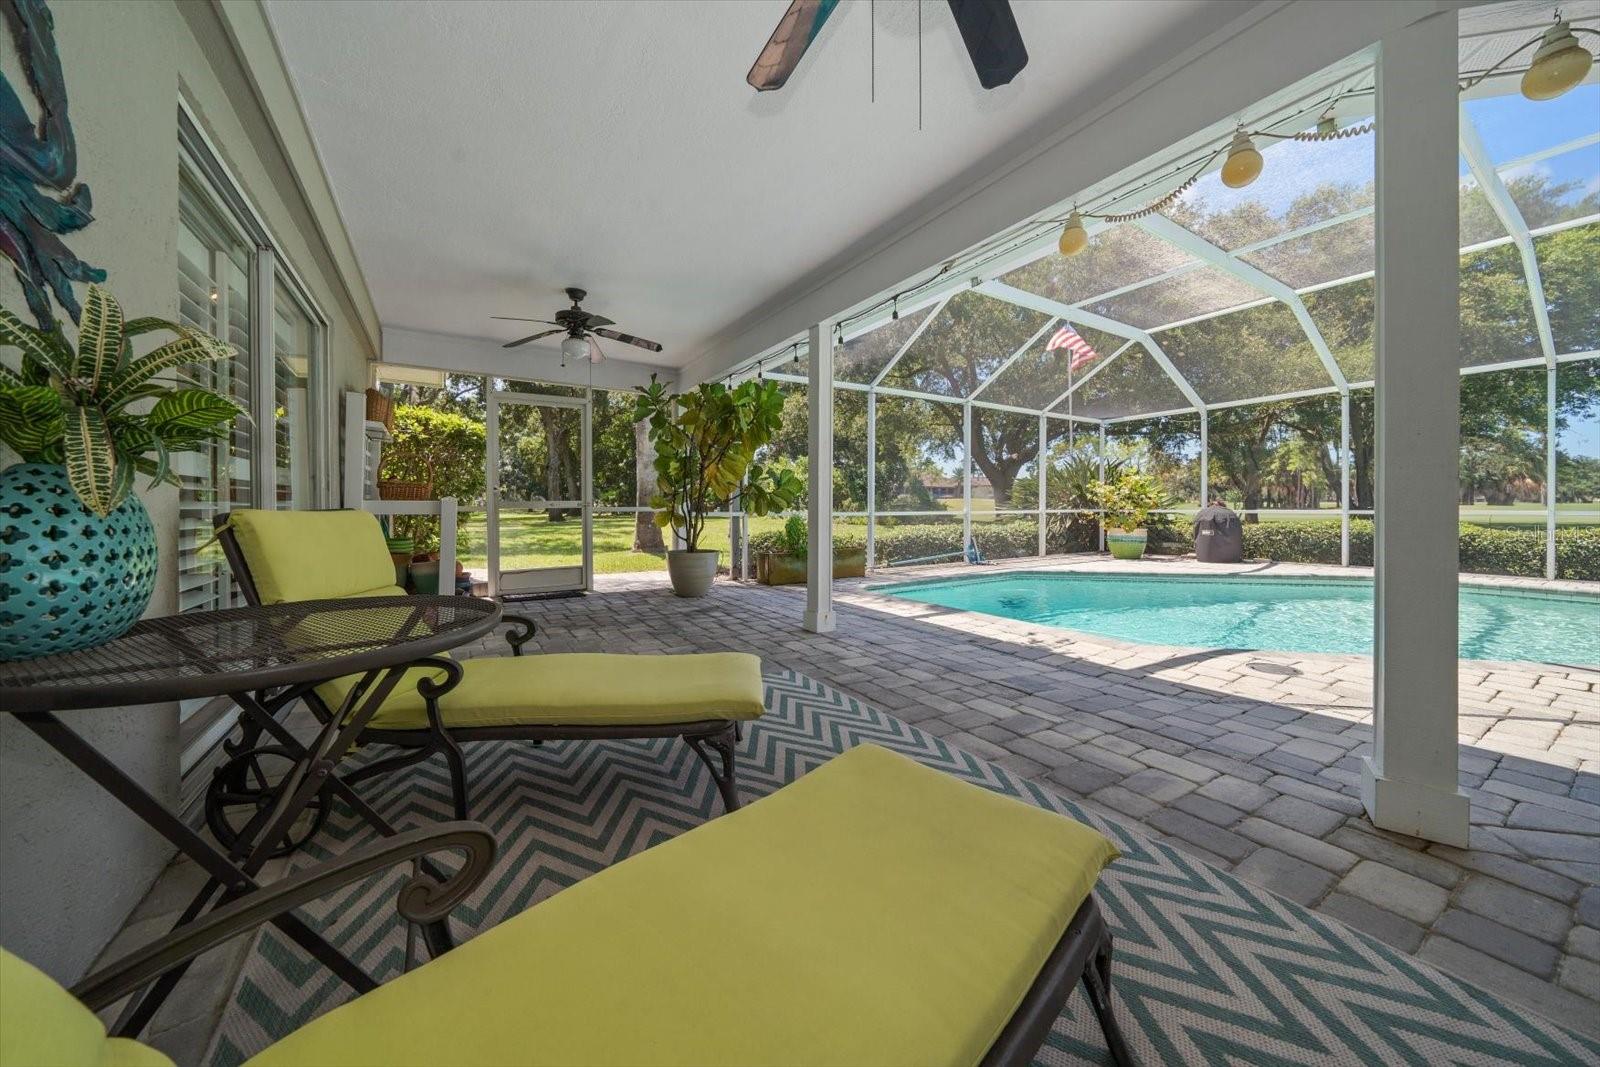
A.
pixel 574 348
pixel 1244 162
pixel 1074 238
pixel 1559 64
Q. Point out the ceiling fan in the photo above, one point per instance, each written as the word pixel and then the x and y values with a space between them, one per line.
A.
pixel 581 328
pixel 988 28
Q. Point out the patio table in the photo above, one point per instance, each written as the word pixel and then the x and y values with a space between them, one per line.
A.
pixel 263 658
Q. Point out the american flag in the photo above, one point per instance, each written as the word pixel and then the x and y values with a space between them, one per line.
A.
pixel 1068 338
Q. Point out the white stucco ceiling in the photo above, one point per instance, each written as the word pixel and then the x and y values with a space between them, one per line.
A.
pixel 484 155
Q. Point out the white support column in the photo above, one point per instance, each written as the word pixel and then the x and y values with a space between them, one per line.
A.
pixel 819 504
pixel 1551 395
pixel 872 476
pixel 1043 468
pixel 1101 456
pixel 1409 783
pixel 1344 478
pixel 1205 458
pixel 966 478
pixel 449 523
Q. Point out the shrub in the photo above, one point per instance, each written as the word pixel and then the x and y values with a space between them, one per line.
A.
pixel 1484 549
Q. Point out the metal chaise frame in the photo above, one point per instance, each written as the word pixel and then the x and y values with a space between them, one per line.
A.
pixel 712 740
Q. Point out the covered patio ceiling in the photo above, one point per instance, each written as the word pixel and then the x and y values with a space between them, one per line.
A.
pixel 1226 297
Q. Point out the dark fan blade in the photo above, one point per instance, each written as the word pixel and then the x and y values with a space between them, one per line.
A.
pixel 531 337
pixel 796 30
pixel 990 32
pixel 629 339
pixel 591 321
pixel 513 318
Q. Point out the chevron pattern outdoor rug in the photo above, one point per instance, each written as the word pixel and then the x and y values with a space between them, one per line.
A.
pixel 1208 969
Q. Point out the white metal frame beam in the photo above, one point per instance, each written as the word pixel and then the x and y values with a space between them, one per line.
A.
pixel 1088 318
pixel 1165 229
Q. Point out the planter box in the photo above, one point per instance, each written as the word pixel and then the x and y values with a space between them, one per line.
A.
pixel 773 569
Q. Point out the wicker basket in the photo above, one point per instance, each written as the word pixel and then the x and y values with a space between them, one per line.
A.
pixel 398 490
pixel 380 409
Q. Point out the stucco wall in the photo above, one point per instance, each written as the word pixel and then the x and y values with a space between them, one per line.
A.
pixel 72 863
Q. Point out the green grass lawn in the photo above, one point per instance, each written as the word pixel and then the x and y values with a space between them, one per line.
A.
pixel 531 540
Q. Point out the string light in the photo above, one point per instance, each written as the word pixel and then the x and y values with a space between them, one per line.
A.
pixel 1244 161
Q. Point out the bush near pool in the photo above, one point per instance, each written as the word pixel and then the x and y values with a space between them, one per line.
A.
pixel 1484 549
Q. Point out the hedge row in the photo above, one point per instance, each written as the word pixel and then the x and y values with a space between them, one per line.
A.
pixel 1484 549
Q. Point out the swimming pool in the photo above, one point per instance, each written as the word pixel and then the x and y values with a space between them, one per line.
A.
pixel 1282 614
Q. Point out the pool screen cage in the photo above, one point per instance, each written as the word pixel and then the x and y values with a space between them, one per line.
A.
pixel 1225 341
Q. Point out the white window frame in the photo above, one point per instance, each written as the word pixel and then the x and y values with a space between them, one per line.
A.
pixel 203 728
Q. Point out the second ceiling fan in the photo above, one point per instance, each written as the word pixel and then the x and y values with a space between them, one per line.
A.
pixel 988 29
pixel 581 328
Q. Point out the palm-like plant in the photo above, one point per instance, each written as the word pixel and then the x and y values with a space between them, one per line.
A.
pixel 72 404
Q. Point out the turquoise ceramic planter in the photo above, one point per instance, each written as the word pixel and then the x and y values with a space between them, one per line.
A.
pixel 68 578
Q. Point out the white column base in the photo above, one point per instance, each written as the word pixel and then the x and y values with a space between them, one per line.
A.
pixel 1412 808
pixel 819 622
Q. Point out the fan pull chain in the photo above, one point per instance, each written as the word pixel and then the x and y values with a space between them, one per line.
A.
pixel 872 46
pixel 919 66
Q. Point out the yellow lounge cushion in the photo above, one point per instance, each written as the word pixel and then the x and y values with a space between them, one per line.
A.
pixel 873 912
pixel 42 1025
pixel 311 555
pixel 577 688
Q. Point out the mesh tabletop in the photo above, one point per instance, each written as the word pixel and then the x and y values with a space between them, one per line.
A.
pixel 211 653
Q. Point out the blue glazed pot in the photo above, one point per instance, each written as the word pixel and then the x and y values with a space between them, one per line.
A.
pixel 68 578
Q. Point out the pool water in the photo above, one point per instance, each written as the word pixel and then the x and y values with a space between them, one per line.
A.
pixel 1286 615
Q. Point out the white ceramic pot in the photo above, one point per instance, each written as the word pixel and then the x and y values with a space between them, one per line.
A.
pixel 692 572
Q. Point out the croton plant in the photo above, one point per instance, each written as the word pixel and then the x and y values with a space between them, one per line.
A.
pixel 98 408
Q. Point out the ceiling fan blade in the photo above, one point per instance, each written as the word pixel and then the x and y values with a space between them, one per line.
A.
pixel 513 318
pixel 629 339
pixel 989 30
pixel 591 321
pixel 796 30
pixel 531 337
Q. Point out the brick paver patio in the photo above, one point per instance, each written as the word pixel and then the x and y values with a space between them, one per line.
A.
pixel 1248 760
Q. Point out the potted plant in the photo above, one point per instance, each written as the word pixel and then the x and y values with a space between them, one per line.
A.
pixel 705 443
pixel 77 551
pixel 1127 503
pixel 781 556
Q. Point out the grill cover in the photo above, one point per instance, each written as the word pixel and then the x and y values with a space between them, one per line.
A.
pixel 1218 535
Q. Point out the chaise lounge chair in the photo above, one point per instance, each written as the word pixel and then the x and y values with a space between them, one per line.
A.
pixel 283 556
pixel 873 912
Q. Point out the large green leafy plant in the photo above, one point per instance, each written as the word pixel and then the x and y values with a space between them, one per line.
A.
pixel 75 404
pixel 1129 500
pixel 706 443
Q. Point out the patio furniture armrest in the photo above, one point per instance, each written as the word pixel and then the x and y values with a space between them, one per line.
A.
pixel 422 899
pixel 521 632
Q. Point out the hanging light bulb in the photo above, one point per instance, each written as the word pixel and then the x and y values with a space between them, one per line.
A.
pixel 1559 64
pixel 894 314
pixel 1074 238
pixel 1328 125
pixel 1243 164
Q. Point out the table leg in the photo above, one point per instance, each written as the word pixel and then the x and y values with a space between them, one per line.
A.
pixel 153 813
pixel 333 749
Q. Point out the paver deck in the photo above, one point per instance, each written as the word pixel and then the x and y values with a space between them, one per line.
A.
pixel 1248 760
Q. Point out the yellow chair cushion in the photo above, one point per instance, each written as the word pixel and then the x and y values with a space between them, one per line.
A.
pixel 873 912
pixel 42 1025
pixel 577 688
pixel 312 555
